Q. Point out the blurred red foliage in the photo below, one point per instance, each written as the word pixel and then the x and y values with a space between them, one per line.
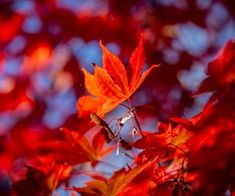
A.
pixel 46 147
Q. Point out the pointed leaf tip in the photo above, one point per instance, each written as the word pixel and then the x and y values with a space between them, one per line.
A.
pixel 144 75
pixel 115 68
pixel 136 63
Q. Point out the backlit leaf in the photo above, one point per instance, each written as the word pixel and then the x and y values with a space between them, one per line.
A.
pixel 115 68
pixel 109 85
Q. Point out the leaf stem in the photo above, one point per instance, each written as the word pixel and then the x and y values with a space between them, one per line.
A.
pixel 135 117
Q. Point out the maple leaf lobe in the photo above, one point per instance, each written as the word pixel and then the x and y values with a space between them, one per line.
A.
pixel 109 86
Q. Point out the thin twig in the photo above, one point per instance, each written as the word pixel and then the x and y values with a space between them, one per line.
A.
pixel 135 117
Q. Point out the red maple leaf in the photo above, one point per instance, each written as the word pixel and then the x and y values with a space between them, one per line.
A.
pixel 109 86
pixel 221 71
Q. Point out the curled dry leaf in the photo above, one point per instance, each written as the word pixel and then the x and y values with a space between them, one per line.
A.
pixel 105 130
pixel 109 85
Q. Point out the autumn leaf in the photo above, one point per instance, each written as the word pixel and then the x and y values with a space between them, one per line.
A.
pixel 155 140
pixel 221 71
pixel 120 181
pixel 150 140
pixel 58 173
pixel 73 149
pixel 34 183
pixel 109 85
pixel 39 182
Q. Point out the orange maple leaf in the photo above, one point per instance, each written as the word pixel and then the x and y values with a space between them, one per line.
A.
pixel 109 86
pixel 121 182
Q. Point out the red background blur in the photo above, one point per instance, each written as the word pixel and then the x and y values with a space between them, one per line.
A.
pixel 44 43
